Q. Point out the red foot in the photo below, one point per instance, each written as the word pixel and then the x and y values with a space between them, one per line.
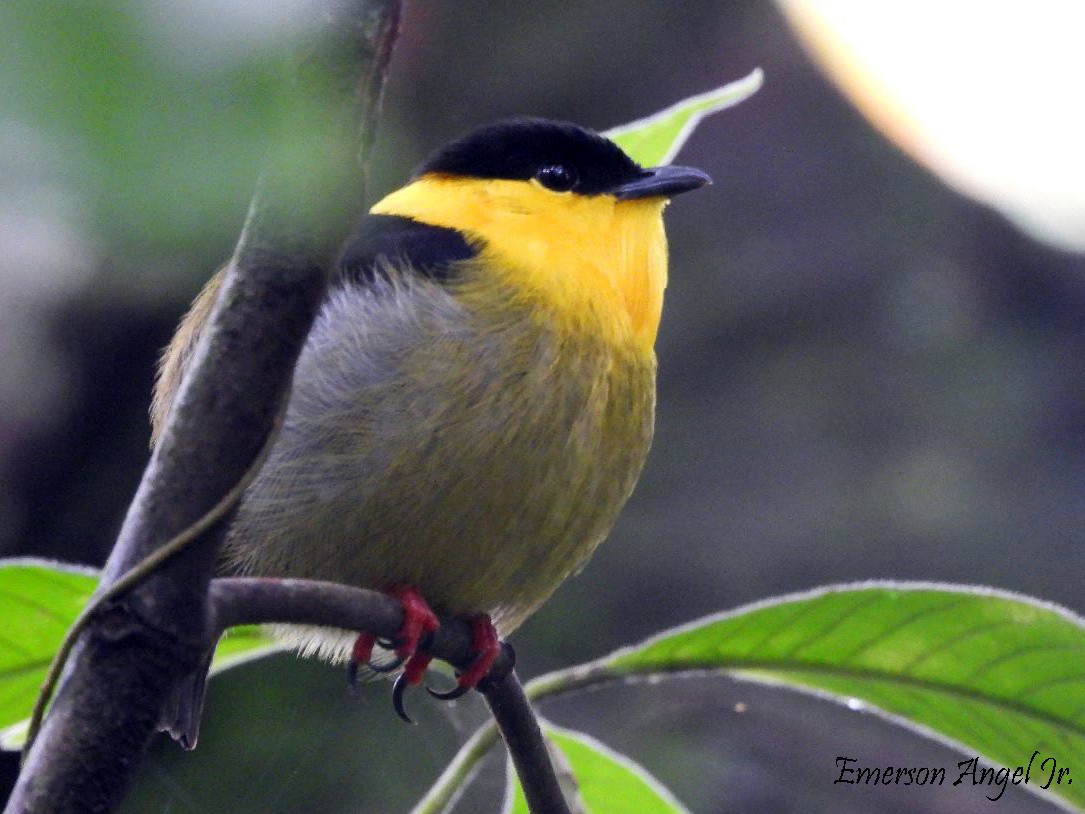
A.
pixel 361 653
pixel 487 648
pixel 419 622
pixel 411 643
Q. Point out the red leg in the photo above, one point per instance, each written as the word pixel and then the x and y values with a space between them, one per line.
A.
pixel 419 622
pixel 410 643
pixel 487 648
pixel 360 654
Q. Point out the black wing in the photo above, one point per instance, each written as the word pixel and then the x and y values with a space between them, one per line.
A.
pixel 380 240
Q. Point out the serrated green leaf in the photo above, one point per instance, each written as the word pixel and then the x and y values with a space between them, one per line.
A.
pixel 39 601
pixel 606 782
pixel 656 139
pixel 998 675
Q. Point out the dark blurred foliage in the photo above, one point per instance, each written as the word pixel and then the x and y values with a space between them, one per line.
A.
pixel 862 375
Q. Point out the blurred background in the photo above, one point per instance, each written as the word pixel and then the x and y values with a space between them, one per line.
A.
pixel 863 372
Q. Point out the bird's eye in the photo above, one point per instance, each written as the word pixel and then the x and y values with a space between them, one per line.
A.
pixel 558 177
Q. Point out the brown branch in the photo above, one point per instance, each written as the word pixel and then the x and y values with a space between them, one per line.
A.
pixel 311 602
pixel 254 600
pixel 138 646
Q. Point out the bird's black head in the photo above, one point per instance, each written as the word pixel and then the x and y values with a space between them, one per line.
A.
pixel 562 157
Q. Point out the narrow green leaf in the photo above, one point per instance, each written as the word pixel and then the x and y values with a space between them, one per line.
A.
pixel 39 601
pixel 656 139
pixel 998 675
pixel 605 781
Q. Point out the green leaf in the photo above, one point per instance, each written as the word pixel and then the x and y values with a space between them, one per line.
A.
pixel 39 601
pixel 656 140
pixel 605 781
pixel 243 644
pixel 996 674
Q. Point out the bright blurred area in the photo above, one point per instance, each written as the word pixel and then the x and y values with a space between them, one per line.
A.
pixel 984 94
pixel 864 373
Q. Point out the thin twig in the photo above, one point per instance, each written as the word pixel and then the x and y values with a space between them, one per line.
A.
pixel 445 789
pixel 256 600
pixel 458 773
pixel 526 744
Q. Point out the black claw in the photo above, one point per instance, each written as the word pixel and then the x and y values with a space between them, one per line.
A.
pixel 451 695
pixel 352 675
pixel 398 689
pixel 390 667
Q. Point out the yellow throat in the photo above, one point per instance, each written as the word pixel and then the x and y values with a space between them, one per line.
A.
pixel 594 263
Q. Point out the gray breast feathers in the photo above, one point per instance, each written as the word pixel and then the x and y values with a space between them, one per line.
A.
pixel 474 455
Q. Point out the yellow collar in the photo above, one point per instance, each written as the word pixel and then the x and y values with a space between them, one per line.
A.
pixel 594 263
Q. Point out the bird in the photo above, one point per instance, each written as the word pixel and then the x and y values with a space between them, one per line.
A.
pixel 476 398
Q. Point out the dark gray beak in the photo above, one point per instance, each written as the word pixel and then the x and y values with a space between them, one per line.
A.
pixel 662 182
